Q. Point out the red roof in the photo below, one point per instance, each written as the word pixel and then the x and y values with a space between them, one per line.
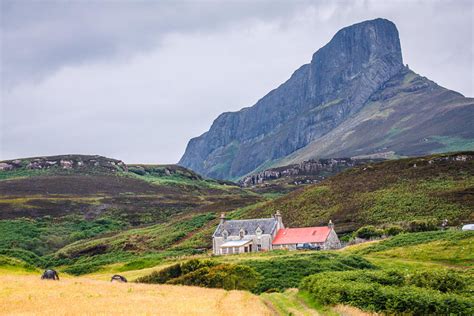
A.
pixel 301 235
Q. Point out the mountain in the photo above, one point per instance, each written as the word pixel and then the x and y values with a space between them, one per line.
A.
pixel 355 99
pixel 434 187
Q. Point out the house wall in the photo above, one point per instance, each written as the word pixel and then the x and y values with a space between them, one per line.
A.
pixel 264 239
pixel 332 242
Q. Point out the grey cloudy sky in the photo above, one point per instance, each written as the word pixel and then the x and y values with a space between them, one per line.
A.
pixel 135 80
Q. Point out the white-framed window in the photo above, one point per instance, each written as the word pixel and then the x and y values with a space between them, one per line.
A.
pixel 225 234
pixel 259 247
pixel 241 234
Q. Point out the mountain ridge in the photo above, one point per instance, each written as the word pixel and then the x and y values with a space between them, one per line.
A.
pixel 339 82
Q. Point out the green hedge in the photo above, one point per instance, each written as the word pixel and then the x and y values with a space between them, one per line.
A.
pixel 393 292
pixel 369 232
pixel 283 272
pixel 206 273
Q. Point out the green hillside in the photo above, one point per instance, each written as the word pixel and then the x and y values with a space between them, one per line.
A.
pixel 47 203
pixel 433 187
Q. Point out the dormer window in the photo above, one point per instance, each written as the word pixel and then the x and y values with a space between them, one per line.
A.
pixel 258 231
pixel 242 234
pixel 225 234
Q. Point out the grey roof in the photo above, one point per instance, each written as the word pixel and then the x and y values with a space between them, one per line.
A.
pixel 233 227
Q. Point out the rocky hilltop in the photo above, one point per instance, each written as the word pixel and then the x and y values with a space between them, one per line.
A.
pixel 65 162
pixel 355 98
pixel 306 172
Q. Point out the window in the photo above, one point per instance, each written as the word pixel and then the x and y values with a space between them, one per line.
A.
pixel 241 234
pixel 259 247
pixel 225 234
pixel 258 231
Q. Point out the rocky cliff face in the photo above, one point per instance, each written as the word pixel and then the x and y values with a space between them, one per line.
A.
pixel 340 81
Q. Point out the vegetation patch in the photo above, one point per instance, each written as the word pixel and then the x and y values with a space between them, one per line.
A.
pixel 286 271
pixel 435 187
pixel 421 293
pixel 404 240
pixel 206 273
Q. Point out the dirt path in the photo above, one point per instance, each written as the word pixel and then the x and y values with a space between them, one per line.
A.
pixel 288 303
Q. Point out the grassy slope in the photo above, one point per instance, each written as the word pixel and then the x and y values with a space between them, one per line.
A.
pixel 43 210
pixel 438 189
pixel 438 186
pixel 445 248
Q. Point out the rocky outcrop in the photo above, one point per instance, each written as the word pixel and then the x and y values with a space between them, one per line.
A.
pixel 306 172
pixel 317 98
pixel 65 162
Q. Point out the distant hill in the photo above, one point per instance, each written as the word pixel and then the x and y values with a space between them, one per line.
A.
pixel 355 99
pixel 433 187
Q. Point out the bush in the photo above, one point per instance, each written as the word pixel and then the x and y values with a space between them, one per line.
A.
pixel 369 232
pixel 389 292
pixel 206 274
pixel 80 269
pixel 393 230
pixel 224 276
pixel 25 255
pixel 443 281
pixel 285 272
pixel 422 226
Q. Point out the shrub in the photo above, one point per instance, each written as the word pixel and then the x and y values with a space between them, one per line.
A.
pixel 285 272
pixel 422 226
pixel 393 230
pixel 84 268
pixel 225 276
pixel 163 275
pixel 389 292
pixel 206 273
pixel 443 281
pixel 369 232
pixel 25 255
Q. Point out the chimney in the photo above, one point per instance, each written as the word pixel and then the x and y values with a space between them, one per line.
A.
pixel 330 224
pixel 222 218
pixel 279 220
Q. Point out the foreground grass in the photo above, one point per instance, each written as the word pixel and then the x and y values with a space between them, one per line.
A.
pixel 27 294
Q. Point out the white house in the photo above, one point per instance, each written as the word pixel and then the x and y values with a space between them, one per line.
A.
pixel 247 235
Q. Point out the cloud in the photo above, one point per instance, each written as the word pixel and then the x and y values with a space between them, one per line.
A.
pixel 137 80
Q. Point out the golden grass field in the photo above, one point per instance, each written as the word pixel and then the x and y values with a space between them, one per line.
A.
pixel 29 295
